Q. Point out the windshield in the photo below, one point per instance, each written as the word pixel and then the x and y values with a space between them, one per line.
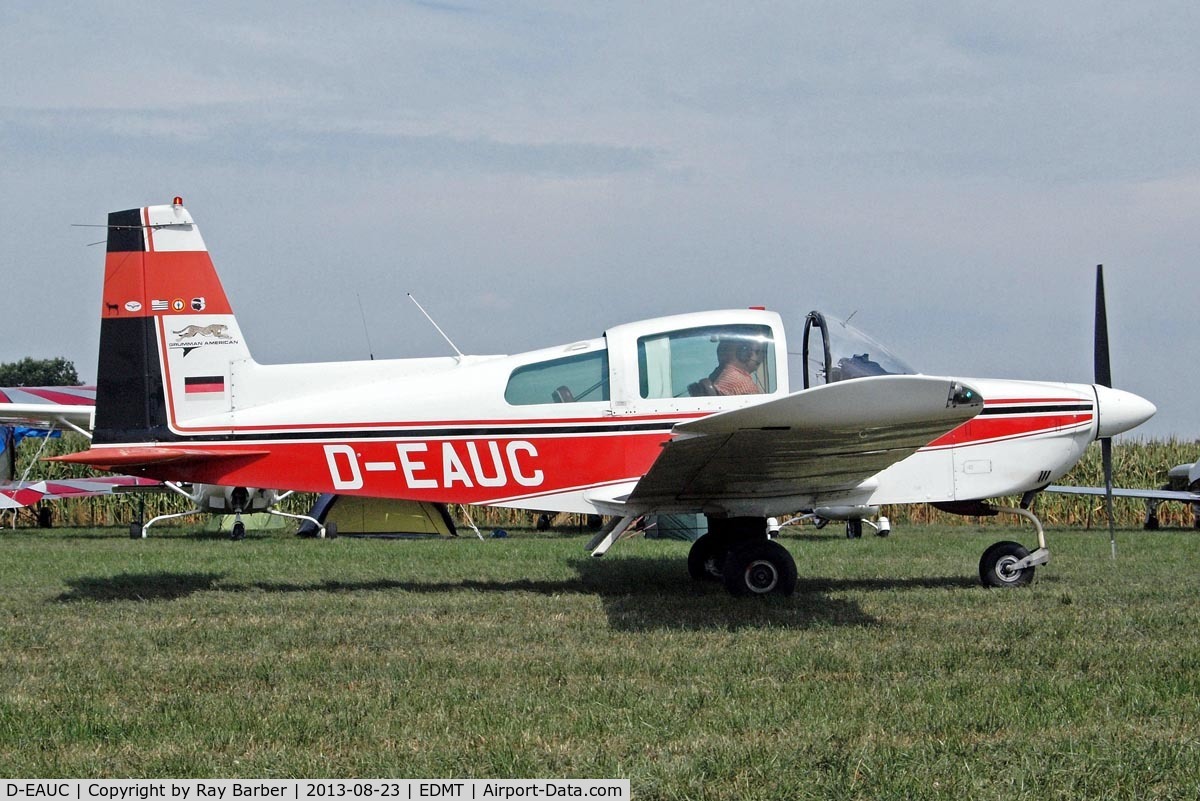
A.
pixel 833 350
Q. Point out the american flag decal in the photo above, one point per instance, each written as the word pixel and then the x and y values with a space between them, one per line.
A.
pixel 203 384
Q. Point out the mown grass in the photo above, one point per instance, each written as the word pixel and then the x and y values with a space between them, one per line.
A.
pixel 890 674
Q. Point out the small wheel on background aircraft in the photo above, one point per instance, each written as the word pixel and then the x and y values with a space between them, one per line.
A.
pixel 761 567
pixel 853 529
pixel 135 531
pixel 239 531
pixel 1151 523
pixel 996 565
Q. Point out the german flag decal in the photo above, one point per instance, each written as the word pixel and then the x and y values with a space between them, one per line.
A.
pixel 194 385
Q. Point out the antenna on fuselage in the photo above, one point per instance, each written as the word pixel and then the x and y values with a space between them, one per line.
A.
pixel 435 325
pixel 366 331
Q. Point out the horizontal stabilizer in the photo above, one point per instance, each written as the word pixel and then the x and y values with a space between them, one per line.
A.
pixel 132 458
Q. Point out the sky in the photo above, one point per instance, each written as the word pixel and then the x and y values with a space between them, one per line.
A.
pixel 533 173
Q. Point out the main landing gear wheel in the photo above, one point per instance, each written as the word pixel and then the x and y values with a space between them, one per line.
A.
pixel 854 529
pixel 707 557
pixel 762 567
pixel 996 566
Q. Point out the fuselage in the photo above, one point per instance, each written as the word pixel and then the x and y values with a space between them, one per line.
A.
pixel 569 428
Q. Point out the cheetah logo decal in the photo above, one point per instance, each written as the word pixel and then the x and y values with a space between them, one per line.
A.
pixel 191 337
pixel 215 330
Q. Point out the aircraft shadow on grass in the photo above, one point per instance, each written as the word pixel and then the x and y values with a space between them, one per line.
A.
pixel 638 594
pixel 139 587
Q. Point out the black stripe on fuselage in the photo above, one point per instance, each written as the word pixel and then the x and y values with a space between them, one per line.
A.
pixel 432 433
pixel 1038 409
pixel 125 231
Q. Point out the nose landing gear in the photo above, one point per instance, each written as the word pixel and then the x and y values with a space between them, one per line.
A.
pixel 1010 564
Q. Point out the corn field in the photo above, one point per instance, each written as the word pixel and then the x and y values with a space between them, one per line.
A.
pixel 1136 463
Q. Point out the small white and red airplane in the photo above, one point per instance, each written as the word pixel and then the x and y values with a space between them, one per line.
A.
pixel 73 408
pixel 699 412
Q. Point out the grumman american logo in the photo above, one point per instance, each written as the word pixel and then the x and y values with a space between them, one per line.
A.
pixel 191 337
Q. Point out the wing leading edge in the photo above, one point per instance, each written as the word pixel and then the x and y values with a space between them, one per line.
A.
pixel 789 452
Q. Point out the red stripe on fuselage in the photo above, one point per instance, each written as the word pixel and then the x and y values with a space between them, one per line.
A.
pixel 1012 423
pixel 461 470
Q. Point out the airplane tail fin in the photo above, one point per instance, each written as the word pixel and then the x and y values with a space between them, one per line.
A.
pixel 168 338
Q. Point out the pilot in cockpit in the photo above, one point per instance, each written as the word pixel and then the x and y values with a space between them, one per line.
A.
pixel 737 359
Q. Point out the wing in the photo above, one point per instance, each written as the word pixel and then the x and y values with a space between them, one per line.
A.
pixel 48 407
pixel 19 494
pixel 813 443
pixel 1148 494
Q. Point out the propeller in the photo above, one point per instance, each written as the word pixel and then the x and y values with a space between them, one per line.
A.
pixel 1104 379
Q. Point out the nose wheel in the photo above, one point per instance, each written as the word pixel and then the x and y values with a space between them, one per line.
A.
pixel 1011 564
pixel 998 567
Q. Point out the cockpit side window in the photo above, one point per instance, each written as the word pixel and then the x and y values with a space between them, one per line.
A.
pixel 574 379
pixel 713 360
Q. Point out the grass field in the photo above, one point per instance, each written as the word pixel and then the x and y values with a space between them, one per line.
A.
pixel 890 674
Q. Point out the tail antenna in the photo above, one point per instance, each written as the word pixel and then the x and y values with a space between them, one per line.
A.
pixel 435 325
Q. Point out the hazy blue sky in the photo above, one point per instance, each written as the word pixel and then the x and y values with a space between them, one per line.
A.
pixel 537 172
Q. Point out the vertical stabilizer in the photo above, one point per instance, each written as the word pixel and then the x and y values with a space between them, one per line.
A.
pixel 168 337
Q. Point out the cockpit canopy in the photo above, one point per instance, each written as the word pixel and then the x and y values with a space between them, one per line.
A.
pixel 679 362
pixel 832 350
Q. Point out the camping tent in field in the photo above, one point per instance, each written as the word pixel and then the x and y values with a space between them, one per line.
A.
pixel 380 517
pixel 257 521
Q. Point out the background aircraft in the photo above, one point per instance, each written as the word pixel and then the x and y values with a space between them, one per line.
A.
pixel 73 408
pixel 636 421
pixel 1183 485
